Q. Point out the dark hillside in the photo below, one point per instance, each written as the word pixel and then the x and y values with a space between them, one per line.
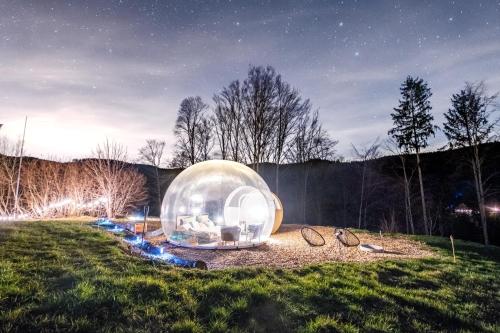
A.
pixel 328 193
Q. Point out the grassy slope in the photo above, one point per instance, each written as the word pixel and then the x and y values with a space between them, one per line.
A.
pixel 64 276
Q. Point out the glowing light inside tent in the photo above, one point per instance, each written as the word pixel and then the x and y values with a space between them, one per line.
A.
pixel 254 204
pixel 197 198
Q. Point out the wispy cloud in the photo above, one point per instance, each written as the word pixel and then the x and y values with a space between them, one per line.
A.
pixel 83 73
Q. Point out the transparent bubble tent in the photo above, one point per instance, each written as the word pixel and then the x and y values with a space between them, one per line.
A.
pixel 218 204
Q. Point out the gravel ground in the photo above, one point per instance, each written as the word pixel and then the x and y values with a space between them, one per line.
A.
pixel 287 249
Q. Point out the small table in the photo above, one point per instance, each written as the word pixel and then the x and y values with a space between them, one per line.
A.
pixel 137 227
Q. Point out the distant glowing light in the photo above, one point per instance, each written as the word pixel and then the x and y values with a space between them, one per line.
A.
pixel 494 209
pixel 464 211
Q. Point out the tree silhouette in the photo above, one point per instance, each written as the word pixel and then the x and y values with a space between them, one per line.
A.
pixel 413 126
pixel 365 154
pixel 152 153
pixel 228 122
pixel 258 94
pixel 468 125
pixel 189 119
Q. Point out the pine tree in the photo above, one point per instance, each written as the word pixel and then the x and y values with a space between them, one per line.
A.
pixel 468 125
pixel 413 125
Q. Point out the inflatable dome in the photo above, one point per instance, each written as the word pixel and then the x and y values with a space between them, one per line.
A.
pixel 218 204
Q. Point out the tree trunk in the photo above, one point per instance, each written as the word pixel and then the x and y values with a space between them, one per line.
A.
pixel 362 196
pixel 476 167
pixel 306 175
pixel 277 175
pixel 364 216
pixel 109 209
pixel 422 195
pixel 344 206
pixel 409 216
pixel 158 189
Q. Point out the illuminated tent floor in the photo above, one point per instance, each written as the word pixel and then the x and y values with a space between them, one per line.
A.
pixel 219 246
pixel 287 249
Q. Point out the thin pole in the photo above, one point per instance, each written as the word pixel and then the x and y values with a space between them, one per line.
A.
pixel 146 213
pixel 17 208
pixel 453 248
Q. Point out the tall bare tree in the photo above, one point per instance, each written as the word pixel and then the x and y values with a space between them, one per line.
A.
pixel 228 122
pixel 289 109
pixel 44 194
pixel 189 118
pixel 413 126
pixel 258 94
pixel 80 189
pixel 205 138
pixel 115 180
pixel 257 121
pixel 8 175
pixel 468 124
pixel 365 154
pixel 310 141
pixel 179 160
pixel 393 147
pixel 152 153
pixel 221 128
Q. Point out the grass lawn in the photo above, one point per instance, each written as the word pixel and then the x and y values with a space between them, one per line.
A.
pixel 59 276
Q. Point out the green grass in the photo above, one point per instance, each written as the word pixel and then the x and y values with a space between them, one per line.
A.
pixel 60 276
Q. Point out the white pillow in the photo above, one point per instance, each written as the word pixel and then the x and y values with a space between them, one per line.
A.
pixel 187 219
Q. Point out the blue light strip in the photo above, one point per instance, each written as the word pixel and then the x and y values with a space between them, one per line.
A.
pixel 146 249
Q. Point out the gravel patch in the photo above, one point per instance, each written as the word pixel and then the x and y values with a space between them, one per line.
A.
pixel 287 249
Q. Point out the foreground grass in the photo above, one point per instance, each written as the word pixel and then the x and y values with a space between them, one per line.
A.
pixel 57 276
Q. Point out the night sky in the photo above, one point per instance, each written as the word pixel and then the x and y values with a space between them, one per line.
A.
pixel 84 71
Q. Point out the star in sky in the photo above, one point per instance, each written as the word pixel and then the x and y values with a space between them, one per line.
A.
pixel 87 71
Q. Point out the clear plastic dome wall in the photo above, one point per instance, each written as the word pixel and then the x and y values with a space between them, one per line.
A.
pixel 218 205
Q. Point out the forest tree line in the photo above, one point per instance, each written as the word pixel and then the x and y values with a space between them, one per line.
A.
pixel 263 119
pixel 104 185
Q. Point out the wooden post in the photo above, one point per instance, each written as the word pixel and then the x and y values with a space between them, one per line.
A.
pixel 453 248
pixel 146 213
